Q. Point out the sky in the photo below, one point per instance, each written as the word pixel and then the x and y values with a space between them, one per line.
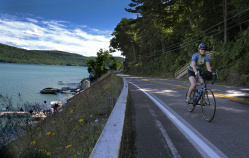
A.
pixel 75 26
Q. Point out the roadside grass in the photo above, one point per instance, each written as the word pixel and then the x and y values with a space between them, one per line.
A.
pixel 74 129
pixel 129 134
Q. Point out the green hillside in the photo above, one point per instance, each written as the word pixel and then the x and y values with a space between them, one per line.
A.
pixel 9 54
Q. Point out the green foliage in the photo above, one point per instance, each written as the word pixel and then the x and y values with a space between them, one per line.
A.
pixel 115 65
pixel 102 63
pixel 125 40
pixel 166 34
pixel 9 54
pixel 233 57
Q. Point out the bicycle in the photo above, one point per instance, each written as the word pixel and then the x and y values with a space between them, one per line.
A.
pixel 203 97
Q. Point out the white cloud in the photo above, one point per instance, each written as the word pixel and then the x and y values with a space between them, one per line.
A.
pixel 32 20
pixel 37 34
pixel 34 31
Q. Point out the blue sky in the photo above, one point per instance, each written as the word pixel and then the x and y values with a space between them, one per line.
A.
pixel 76 26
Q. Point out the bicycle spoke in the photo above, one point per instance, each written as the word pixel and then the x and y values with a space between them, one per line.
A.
pixel 208 105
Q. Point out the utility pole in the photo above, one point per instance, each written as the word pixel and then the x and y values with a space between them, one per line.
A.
pixel 225 21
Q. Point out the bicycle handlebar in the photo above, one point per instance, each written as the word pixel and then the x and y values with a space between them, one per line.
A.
pixel 214 74
pixel 215 77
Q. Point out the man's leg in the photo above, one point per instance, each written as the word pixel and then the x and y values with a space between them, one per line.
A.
pixel 193 84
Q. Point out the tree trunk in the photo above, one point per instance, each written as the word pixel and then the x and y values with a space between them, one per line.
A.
pixel 214 3
pixel 240 28
pixel 150 45
pixel 191 23
pixel 225 21
pixel 134 53
pixel 163 47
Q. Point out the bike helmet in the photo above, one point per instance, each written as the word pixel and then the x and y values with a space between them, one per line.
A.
pixel 203 46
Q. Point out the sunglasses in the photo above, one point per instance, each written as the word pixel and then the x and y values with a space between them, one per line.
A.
pixel 203 49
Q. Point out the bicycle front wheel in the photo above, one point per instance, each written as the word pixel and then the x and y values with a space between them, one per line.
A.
pixel 208 105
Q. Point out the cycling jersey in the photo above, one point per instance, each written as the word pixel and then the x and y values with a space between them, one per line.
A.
pixel 200 61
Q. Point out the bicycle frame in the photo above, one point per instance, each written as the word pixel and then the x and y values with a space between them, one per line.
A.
pixel 199 95
pixel 197 99
pixel 205 98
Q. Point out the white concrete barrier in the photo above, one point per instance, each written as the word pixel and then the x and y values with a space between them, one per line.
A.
pixel 109 142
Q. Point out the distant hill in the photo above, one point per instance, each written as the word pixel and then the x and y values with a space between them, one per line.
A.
pixel 10 54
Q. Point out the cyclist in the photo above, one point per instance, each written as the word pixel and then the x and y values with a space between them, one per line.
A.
pixel 197 63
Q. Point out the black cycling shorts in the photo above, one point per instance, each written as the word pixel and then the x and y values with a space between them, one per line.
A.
pixel 192 73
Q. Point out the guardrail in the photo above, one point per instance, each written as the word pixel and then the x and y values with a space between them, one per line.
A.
pixel 109 142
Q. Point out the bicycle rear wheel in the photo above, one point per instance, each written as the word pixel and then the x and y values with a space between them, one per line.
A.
pixel 191 105
pixel 208 105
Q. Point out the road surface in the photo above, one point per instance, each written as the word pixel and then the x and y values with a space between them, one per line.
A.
pixel 164 127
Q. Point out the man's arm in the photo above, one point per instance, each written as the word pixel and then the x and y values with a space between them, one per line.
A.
pixel 194 66
pixel 208 66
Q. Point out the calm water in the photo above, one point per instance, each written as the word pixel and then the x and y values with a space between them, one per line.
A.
pixel 23 82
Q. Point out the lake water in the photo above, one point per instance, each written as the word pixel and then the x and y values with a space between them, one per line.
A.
pixel 23 82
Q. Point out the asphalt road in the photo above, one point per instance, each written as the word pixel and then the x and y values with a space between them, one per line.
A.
pixel 164 127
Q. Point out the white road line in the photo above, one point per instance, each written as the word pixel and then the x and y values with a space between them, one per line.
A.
pixel 168 140
pixel 206 149
pixel 166 136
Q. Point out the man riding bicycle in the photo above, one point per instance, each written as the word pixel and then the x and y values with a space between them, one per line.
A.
pixel 197 63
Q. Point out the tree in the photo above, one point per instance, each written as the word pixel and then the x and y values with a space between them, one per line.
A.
pixel 91 66
pixel 116 65
pixel 167 32
pixel 125 39
pixel 101 64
